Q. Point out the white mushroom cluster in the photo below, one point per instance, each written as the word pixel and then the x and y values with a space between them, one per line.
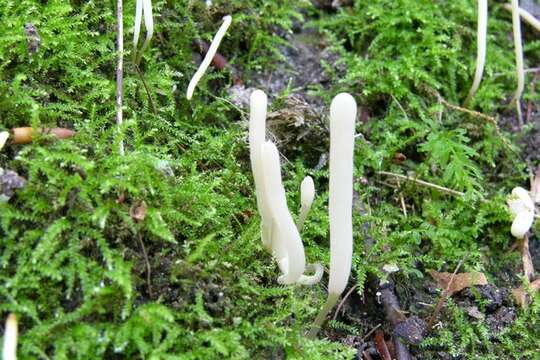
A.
pixel 521 207
pixel 279 233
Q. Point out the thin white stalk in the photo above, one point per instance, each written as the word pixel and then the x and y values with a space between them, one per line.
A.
pixel 9 350
pixel 120 70
pixel 342 118
pixel 307 194
pixel 519 57
pixel 257 136
pixel 480 47
pixel 527 16
pixel 209 56
pixel 142 8
pixel 288 242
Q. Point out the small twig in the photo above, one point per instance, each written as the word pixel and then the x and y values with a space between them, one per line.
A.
pixel 422 182
pixel 147 89
pixel 445 294
pixel 528 267
pixel 120 70
pixel 148 267
pixel 395 315
pixel 343 301
pixel 472 113
pixel 368 334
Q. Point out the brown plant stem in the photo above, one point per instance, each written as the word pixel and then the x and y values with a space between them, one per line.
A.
pixel 146 88
pixel 445 295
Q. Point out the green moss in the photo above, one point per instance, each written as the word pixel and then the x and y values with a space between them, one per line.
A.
pixel 71 258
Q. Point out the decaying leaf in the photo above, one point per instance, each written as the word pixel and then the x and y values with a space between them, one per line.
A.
pixel 455 283
pixel 521 294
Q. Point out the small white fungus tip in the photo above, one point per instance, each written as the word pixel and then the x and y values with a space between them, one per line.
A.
pixel 9 351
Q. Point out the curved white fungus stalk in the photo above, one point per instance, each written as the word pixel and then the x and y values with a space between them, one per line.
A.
pixel 527 16
pixel 522 208
pixel 519 56
pixel 342 118
pixel 4 135
pixel 286 243
pixel 481 47
pixel 309 280
pixel 142 7
pixel 9 350
pixel 307 194
pixel 257 136
pixel 209 56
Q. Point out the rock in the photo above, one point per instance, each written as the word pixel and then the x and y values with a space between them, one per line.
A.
pixel 411 330
pixel 10 181
pixel 492 296
pixel 473 312
pixel 501 319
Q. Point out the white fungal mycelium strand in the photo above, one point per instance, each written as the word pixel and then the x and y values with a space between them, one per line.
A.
pixel 286 241
pixel 342 118
pixel 257 136
pixel 519 56
pixel 142 7
pixel 9 351
pixel 209 56
pixel 521 207
pixel 307 194
pixel 481 47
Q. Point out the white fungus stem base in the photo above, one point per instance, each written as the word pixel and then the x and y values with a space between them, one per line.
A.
pixel 331 301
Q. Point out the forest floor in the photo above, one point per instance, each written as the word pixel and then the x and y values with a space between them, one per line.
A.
pixel 156 254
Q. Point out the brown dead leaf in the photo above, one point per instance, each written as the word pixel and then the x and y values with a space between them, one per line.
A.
pixel 138 210
pixel 521 294
pixel 459 282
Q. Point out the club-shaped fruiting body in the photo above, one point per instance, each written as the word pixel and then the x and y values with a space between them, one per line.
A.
pixel 307 194
pixel 258 103
pixel 342 120
pixel 481 47
pixel 209 56
pixel 142 7
pixel 9 350
pixel 522 208
pixel 286 241
pixel 278 237
pixel 342 117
